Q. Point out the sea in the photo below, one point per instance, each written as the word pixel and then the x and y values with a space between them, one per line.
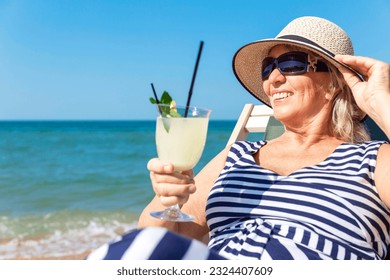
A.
pixel 67 187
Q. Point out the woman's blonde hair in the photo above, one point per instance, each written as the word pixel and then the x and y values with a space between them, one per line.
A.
pixel 347 117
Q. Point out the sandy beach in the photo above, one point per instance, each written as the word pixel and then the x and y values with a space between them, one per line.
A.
pixel 81 256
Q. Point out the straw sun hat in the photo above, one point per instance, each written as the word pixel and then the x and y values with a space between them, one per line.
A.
pixel 315 34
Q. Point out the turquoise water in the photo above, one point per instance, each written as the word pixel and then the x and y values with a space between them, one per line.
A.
pixel 68 186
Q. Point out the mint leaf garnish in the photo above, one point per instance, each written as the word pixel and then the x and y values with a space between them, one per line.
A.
pixel 166 98
pixel 168 111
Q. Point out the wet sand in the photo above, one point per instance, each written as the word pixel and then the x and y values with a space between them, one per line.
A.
pixel 81 256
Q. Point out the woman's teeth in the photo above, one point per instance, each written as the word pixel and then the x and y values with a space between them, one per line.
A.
pixel 281 95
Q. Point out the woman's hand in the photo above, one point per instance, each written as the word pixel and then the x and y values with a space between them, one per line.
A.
pixel 373 94
pixel 171 187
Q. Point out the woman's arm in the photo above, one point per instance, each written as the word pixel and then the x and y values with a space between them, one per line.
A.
pixel 382 173
pixel 373 97
pixel 172 188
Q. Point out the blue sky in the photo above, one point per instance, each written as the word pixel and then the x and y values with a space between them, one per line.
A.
pixel 96 59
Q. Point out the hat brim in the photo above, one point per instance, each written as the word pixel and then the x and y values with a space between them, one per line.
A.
pixel 247 63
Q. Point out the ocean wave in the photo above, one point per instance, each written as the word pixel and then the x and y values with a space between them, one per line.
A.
pixel 60 235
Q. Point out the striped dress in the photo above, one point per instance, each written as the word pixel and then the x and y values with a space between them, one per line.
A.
pixel 330 210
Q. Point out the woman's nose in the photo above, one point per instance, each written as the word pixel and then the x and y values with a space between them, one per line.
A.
pixel 276 77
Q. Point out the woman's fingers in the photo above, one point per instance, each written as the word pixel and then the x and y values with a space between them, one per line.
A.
pixel 170 194
pixel 171 187
pixel 156 165
pixel 375 89
pixel 173 200
pixel 172 184
pixel 373 70
pixel 349 76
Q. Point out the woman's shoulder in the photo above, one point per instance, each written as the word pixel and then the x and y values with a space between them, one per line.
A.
pixel 366 145
pixel 241 149
pixel 247 146
pixel 367 149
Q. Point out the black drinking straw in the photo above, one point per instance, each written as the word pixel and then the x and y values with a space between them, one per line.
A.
pixel 155 96
pixel 193 78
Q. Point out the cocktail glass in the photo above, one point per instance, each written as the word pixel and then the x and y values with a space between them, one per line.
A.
pixel 180 140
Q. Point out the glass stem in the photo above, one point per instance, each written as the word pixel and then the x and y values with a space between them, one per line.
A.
pixel 174 210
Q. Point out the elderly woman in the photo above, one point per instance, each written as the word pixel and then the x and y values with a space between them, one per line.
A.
pixel 319 191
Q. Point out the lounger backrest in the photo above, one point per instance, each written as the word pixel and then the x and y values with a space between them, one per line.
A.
pixel 255 119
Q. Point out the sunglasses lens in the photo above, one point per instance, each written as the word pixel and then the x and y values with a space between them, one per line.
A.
pixel 267 67
pixel 288 63
pixel 292 63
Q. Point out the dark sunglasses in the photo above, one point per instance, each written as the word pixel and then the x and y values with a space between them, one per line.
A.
pixel 292 63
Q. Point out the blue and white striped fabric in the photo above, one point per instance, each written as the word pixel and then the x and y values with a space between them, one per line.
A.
pixel 326 211
pixel 153 243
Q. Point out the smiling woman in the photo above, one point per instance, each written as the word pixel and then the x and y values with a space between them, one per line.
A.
pixel 318 191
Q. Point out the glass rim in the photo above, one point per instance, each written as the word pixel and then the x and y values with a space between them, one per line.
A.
pixel 184 107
